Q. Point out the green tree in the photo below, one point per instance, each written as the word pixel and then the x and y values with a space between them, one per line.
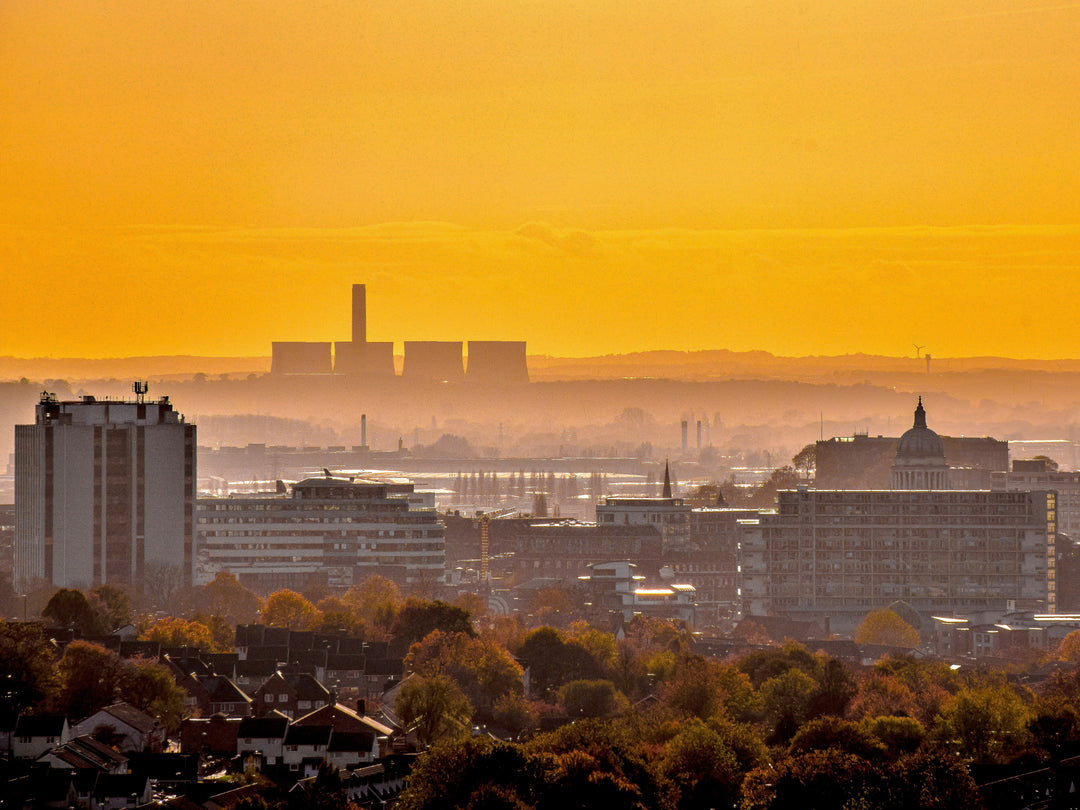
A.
pixel 822 780
pixel 703 766
pixel 985 723
pixel 433 707
pixel 786 699
pixel 418 618
pixel 885 627
pixel 595 698
pixel 150 687
pixel 287 608
pixel 69 607
pixel 112 604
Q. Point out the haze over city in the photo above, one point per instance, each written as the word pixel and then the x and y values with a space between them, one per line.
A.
pixel 801 178
pixel 521 405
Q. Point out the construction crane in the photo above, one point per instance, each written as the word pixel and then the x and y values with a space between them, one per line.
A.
pixel 484 518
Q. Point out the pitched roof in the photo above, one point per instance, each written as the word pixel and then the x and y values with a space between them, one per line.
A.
pixel 343 719
pixel 138 720
pixel 307 735
pixel 40 725
pixel 223 690
pixel 268 727
pixel 348 741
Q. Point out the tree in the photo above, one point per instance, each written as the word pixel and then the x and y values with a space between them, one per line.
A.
pixel 434 707
pixel 984 723
pixel 91 678
pixel 112 604
pixel 823 780
pixel 150 687
pixel 225 596
pixel 705 769
pixel 418 618
pixel 596 698
pixel 287 608
pixel 885 627
pixel 69 607
pixel 1069 648
pixel 805 461
pixel 28 673
pixel 174 632
pixel 786 699
pixel 376 602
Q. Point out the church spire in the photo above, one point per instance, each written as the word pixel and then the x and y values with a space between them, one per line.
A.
pixel 667 479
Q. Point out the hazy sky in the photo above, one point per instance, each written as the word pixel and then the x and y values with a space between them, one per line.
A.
pixel 802 177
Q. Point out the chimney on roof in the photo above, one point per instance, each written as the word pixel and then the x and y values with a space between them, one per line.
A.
pixel 361 707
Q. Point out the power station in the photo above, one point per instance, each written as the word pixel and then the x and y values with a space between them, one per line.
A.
pixel 490 362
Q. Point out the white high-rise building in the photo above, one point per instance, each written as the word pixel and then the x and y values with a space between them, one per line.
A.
pixel 104 492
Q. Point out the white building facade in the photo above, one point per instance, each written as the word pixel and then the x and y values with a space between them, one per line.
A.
pixel 103 490
pixel 340 529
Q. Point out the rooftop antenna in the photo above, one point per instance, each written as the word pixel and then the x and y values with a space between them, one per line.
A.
pixel 140 387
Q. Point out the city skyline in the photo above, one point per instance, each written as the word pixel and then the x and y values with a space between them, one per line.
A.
pixel 593 178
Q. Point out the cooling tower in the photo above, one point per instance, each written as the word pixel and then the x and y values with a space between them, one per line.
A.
pixel 433 360
pixel 497 362
pixel 364 358
pixel 379 359
pixel 300 358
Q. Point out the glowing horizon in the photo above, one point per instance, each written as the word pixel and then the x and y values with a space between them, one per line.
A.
pixel 591 177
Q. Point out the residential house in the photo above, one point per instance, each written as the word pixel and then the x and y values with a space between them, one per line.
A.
pixel 305 749
pixel 36 734
pixel 263 737
pixel 292 694
pixel 124 727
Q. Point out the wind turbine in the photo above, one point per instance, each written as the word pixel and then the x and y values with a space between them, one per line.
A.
pixel 918 349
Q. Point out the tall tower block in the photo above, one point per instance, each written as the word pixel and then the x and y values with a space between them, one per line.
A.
pixel 359 313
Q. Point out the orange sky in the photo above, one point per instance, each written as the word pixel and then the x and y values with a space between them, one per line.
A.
pixel 802 177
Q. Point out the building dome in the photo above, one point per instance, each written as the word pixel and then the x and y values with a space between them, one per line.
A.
pixel 920 444
pixel 920 457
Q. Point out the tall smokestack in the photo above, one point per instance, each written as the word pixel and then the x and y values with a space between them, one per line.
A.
pixel 359 313
pixel 698 434
pixel 685 428
pixel 363 430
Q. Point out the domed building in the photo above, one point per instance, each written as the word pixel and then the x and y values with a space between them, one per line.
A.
pixel 920 457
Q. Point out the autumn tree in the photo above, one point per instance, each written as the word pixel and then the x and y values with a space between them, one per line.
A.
pixel 176 632
pixel 91 677
pixel 885 627
pixel 150 687
pixel 27 665
pixel 287 608
pixel 376 602
pixel 434 707
pixel 1069 648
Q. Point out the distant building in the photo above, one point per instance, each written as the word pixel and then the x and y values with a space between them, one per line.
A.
pixel 300 357
pixel 668 514
pixel 838 554
pixel 867 462
pixel 1042 473
pixel 103 489
pixel 497 362
pixel 710 560
pixel 339 531
pixel 617 593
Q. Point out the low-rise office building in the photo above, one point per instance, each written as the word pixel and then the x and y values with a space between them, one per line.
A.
pixel 339 531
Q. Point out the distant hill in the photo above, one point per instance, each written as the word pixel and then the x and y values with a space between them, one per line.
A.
pixel 708 364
